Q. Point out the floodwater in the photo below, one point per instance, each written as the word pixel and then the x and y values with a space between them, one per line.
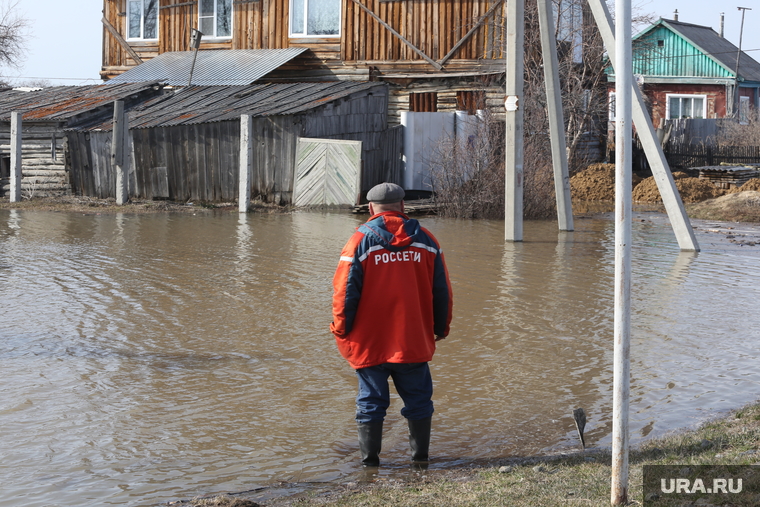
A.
pixel 147 358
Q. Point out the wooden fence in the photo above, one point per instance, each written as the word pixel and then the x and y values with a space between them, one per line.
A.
pixel 685 156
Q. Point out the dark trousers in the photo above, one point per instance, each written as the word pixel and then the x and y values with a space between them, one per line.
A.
pixel 413 383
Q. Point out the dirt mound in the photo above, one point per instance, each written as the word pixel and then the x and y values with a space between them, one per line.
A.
pixel 596 183
pixel 737 207
pixel 753 184
pixel 691 189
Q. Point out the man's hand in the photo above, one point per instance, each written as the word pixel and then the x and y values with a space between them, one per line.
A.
pixel 439 338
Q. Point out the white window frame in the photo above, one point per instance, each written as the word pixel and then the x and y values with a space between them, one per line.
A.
pixel 669 96
pixel 142 21
pixel 303 34
pixel 214 36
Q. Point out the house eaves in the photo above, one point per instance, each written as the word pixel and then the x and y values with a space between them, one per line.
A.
pixel 210 67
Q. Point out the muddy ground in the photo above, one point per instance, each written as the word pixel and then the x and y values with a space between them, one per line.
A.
pixel 702 198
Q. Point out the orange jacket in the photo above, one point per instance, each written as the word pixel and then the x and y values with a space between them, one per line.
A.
pixel 391 293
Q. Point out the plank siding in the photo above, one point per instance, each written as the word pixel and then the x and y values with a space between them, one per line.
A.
pixel 433 26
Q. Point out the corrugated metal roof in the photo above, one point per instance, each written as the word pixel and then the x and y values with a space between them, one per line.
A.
pixel 60 103
pixel 719 48
pixel 212 67
pixel 690 51
pixel 202 104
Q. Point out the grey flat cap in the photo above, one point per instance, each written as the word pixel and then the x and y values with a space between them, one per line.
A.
pixel 385 193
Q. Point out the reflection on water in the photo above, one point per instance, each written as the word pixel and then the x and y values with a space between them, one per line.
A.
pixel 152 357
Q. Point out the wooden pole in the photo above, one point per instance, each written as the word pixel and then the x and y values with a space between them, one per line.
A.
pixel 623 225
pixel 556 118
pixel 119 151
pixel 16 123
pixel 513 198
pixel 663 177
pixel 246 162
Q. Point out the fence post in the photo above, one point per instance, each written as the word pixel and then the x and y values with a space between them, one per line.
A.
pixel 119 151
pixel 246 162
pixel 16 123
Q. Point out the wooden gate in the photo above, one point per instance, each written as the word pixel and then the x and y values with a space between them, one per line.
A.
pixel 328 172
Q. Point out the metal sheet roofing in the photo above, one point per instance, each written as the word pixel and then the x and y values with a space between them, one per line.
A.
pixel 212 67
pixel 679 59
pixel 202 104
pixel 61 103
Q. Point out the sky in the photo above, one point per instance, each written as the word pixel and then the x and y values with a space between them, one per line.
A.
pixel 64 47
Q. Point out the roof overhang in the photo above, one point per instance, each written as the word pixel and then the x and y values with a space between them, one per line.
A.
pixel 678 80
pixel 210 67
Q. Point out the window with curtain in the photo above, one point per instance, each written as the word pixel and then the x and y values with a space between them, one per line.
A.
pixel 315 18
pixel 215 18
pixel 686 106
pixel 142 19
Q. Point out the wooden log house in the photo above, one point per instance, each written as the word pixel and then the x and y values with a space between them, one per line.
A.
pixel 441 55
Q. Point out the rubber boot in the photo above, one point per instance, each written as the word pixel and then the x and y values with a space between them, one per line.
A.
pixel 370 442
pixel 419 439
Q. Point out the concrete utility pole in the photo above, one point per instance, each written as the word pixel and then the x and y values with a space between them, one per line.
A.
pixel 652 148
pixel 623 208
pixel 513 173
pixel 556 117
pixel 16 175
pixel 119 151
pixel 737 101
pixel 246 162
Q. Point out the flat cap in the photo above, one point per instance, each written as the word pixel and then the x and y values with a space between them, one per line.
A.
pixel 385 193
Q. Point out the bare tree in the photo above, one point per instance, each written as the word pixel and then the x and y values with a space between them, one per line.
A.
pixel 13 33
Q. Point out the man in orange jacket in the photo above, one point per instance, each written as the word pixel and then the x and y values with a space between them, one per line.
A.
pixel 392 302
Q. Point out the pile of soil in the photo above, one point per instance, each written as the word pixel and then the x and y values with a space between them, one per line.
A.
pixel 596 183
pixel 741 206
pixel 691 189
pixel 753 184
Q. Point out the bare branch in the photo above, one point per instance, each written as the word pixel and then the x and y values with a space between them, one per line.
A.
pixel 13 33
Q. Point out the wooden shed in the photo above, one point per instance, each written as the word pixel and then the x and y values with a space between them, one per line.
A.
pixel 185 144
pixel 46 113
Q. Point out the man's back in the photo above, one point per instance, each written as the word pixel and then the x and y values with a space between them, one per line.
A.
pixel 391 293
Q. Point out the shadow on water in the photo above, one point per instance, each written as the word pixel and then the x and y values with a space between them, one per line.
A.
pixel 151 357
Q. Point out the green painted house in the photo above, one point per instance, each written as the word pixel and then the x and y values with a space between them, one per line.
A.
pixel 691 71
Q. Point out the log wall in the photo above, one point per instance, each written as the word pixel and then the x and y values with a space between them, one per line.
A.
pixel 43 163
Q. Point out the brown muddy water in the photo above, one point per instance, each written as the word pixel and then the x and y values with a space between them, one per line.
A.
pixel 147 358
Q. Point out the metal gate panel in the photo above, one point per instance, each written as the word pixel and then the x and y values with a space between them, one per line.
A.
pixel 328 172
